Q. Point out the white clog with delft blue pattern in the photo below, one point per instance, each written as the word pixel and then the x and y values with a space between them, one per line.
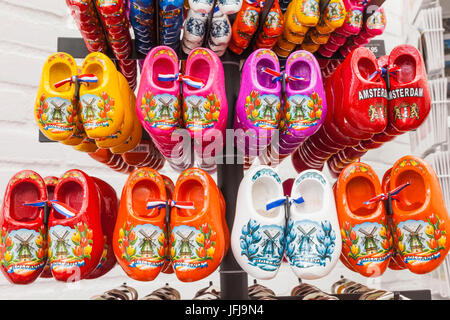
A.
pixel 257 239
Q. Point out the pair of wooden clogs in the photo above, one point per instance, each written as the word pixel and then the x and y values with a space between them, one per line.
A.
pixel 178 229
pixel 401 222
pixel 95 112
pixel 75 239
pixel 269 225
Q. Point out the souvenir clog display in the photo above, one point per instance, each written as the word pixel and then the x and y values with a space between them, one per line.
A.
pixel 366 238
pixel 313 240
pixel 55 108
pixel 198 235
pixel 420 217
pixel 245 26
pixel 75 233
pixel 87 21
pixel 141 14
pixel 108 212
pixel 258 106
pixel 139 234
pixel 258 235
pixel 170 22
pixel 23 235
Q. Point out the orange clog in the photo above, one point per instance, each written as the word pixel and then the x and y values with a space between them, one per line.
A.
pixel 197 240
pixel 139 234
pixel 365 234
pixel 420 217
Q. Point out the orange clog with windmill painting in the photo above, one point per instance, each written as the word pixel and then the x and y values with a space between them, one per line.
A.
pixel 420 217
pixel 197 240
pixel 363 222
pixel 139 235
pixel 396 262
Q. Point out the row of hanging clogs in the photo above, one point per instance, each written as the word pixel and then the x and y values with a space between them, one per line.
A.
pixel 195 28
pixel 378 113
pixel 142 14
pixel 202 111
pixel 76 239
pixel 260 109
pixel 170 22
pixel 403 217
pixel 346 286
pixel 89 107
pixel 192 240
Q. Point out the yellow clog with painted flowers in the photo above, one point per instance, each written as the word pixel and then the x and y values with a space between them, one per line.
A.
pixel 308 12
pixel 124 133
pixel 78 136
pixel 55 109
pixel 334 14
pixel 291 21
pixel 132 141
pixel 102 104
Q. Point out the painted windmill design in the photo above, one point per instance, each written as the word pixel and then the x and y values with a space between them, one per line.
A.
pixel 196 26
pixel 269 110
pixel 165 108
pixel 415 239
pixel 57 116
pixel 298 109
pixel 306 241
pixel 25 248
pixel 90 113
pixel 147 244
pixel 186 245
pixel 333 9
pixel 61 245
pixel 196 115
pixel 370 240
pixel 270 244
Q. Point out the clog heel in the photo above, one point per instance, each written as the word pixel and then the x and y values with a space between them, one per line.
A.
pixel 23 234
pixel 132 141
pixel 420 217
pixel 74 229
pixel 257 237
pixel 313 239
pixel 101 102
pixel 197 240
pixel 55 107
pixel 139 234
pixel 365 234
pixel 108 211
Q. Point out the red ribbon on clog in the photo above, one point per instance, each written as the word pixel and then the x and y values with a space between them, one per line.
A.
pixel 259 3
pixel 83 78
pixel 59 207
pixel 276 76
pixel 171 203
pixel 189 80
pixel 384 196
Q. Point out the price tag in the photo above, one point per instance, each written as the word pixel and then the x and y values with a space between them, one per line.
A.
pixel 377 47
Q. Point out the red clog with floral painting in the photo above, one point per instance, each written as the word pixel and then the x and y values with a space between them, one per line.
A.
pixel 74 228
pixel 109 207
pixel 23 236
pixel 139 235
pixel 50 184
pixel 365 234
pixel 197 240
pixel 420 217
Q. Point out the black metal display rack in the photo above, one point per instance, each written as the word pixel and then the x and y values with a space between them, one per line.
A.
pixel 233 280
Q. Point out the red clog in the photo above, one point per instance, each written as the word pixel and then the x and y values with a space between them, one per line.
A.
pixel 197 240
pixel 409 95
pixel 420 218
pixel 139 238
pixel 23 236
pixel 75 232
pixel 366 237
pixel 108 210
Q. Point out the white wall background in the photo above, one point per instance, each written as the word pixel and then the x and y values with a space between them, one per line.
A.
pixel 28 35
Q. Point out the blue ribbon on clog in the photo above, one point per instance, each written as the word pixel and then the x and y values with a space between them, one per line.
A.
pixel 171 203
pixel 189 80
pixel 282 201
pixel 276 76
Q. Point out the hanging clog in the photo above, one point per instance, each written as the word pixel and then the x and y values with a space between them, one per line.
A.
pixel 409 95
pixel 308 12
pixel 313 239
pixel 87 145
pixel 74 229
pixel 55 107
pixel 102 102
pixel 220 33
pixel 23 235
pixel 258 234
pixel 139 234
pixel 230 6
pixel 109 205
pixel 420 218
pixel 197 240
pixel 365 233
pixel 132 141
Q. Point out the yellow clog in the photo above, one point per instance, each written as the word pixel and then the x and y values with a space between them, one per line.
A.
pixel 281 52
pixel 54 109
pixel 310 46
pixel 102 105
pixel 318 38
pixel 78 136
pixel 132 141
pixel 323 28
pixel 292 37
pixel 124 133
pixel 335 14
pixel 308 12
pixel 285 45
pixel 291 22
pixel 87 145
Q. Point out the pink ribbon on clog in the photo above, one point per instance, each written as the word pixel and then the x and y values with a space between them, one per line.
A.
pixel 83 78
